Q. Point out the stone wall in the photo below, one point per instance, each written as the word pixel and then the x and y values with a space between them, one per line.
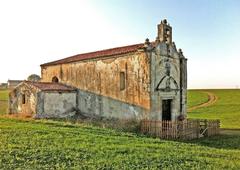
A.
pixel 184 83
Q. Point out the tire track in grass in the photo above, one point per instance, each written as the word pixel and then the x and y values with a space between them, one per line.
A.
pixel 212 98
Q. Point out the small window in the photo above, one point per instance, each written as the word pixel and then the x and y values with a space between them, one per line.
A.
pixel 55 79
pixel 122 81
pixel 23 99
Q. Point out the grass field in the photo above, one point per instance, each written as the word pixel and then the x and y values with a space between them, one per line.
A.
pixel 3 107
pixel 227 108
pixel 3 101
pixel 196 97
pixel 58 145
pixel 4 94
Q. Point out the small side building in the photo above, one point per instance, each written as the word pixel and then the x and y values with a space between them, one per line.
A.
pixel 43 100
pixel 13 83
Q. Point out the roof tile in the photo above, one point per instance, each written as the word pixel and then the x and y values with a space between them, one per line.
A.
pixel 97 54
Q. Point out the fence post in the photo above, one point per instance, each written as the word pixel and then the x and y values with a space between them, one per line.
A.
pixel 155 128
pixel 206 126
pixel 198 128
pixel 180 129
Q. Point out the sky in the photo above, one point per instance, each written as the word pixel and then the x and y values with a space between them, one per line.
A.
pixel 33 32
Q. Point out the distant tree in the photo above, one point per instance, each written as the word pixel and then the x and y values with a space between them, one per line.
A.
pixel 34 77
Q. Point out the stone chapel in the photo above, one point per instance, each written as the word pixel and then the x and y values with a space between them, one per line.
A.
pixel 140 81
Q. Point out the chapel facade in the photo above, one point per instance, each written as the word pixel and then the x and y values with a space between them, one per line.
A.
pixel 140 81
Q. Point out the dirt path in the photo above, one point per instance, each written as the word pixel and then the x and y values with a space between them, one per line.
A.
pixel 212 98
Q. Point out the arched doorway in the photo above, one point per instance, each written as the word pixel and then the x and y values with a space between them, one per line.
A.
pixel 55 79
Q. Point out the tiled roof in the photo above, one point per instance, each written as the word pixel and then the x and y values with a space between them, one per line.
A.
pixel 49 86
pixel 97 54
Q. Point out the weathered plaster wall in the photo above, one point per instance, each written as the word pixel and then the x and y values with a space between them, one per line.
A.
pixel 56 104
pixel 102 77
pixel 16 104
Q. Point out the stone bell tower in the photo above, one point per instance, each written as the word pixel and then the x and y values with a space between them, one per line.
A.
pixel 168 77
pixel 165 32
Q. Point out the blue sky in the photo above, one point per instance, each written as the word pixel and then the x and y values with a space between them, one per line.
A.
pixel 35 32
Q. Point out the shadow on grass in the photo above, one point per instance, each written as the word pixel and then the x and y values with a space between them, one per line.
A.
pixel 220 142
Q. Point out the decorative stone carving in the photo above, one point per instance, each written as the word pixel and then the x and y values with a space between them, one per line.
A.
pixel 167 67
pixel 167 84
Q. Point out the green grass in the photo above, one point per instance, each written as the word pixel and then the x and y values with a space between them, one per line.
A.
pixel 4 94
pixel 3 101
pixel 227 109
pixel 58 145
pixel 196 97
pixel 3 107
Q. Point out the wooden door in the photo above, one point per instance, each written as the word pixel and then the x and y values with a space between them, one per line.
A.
pixel 166 109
